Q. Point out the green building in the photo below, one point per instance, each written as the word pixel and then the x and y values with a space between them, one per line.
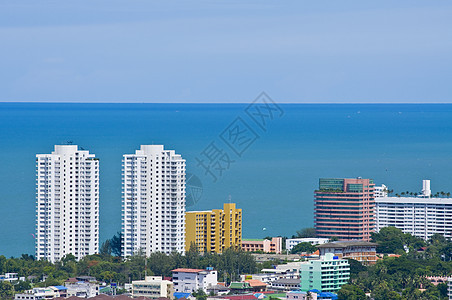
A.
pixel 327 274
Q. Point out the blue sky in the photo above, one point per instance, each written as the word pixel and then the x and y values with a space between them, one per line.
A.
pixel 226 51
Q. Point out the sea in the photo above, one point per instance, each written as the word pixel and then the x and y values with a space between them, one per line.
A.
pixel 265 157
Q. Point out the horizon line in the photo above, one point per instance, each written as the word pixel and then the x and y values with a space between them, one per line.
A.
pixel 277 102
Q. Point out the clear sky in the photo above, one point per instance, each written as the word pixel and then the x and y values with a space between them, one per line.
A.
pixel 225 51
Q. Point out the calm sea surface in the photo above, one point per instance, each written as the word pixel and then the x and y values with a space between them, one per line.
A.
pixel 270 171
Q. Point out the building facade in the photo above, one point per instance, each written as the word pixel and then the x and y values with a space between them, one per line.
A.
pixel 82 289
pixel 381 191
pixel 190 280
pixel 299 295
pixel 362 251
pixel 67 203
pixel 214 231
pixel 290 243
pixel 421 217
pixel 327 274
pixel 263 245
pixel 153 287
pixel 344 208
pixel 153 201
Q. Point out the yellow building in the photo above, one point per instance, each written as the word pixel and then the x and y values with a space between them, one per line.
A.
pixel 214 231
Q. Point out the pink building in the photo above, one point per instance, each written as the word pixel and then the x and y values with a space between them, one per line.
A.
pixel 266 246
pixel 344 208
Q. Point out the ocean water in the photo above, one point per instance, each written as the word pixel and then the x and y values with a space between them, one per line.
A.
pixel 270 171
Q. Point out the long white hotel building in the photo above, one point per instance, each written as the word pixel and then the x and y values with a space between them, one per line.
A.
pixel 153 201
pixel 67 203
pixel 420 216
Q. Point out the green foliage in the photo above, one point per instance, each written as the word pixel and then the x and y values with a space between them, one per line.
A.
pixel 392 240
pixel 351 292
pixel 306 233
pixel 303 247
pixel 200 295
pixel 22 286
pixel 6 290
pixel 115 244
pixel 105 267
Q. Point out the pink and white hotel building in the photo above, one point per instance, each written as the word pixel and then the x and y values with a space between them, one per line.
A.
pixel 344 208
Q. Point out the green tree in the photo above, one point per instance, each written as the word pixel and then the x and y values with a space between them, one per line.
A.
pixel 351 292
pixel 6 290
pixel 303 247
pixel 105 249
pixel 115 244
pixel 200 295
pixel 306 233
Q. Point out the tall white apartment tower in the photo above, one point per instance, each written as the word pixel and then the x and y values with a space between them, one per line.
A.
pixel 153 201
pixel 67 203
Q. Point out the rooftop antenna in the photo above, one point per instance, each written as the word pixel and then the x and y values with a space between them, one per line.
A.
pixel 230 199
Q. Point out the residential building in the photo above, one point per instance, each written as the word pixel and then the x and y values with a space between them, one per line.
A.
pixel 257 285
pixel 267 246
pixel 240 287
pixel 215 230
pixel 153 201
pixel 344 208
pixel 50 292
pixel 290 243
pixel 381 191
pixel 362 251
pixel 327 274
pixel 421 216
pixel 449 287
pixel 285 284
pixel 300 295
pixel 153 287
pixel 11 277
pixel 67 203
pixel 83 289
pixel 189 280
pixel 289 271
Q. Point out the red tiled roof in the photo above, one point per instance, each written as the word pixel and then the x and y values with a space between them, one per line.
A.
pixel 122 297
pixel 187 270
pixel 101 297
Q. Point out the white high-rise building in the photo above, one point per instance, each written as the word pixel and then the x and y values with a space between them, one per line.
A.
pixel 421 216
pixel 153 201
pixel 381 191
pixel 67 203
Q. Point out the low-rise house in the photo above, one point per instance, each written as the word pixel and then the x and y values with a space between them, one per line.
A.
pixel 362 251
pixel 50 292
pixel 257 285
pixel 84 289
pixel 290 243
pixel 435 280
pixel 286 284
pixel 190 280
pixel 217 289
pixel 300 295
pixel 240 287
pixel 153 287
pixel 449 287
pixel 263 245
pixel 9 277
pixel 327 274
pixel 289 271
